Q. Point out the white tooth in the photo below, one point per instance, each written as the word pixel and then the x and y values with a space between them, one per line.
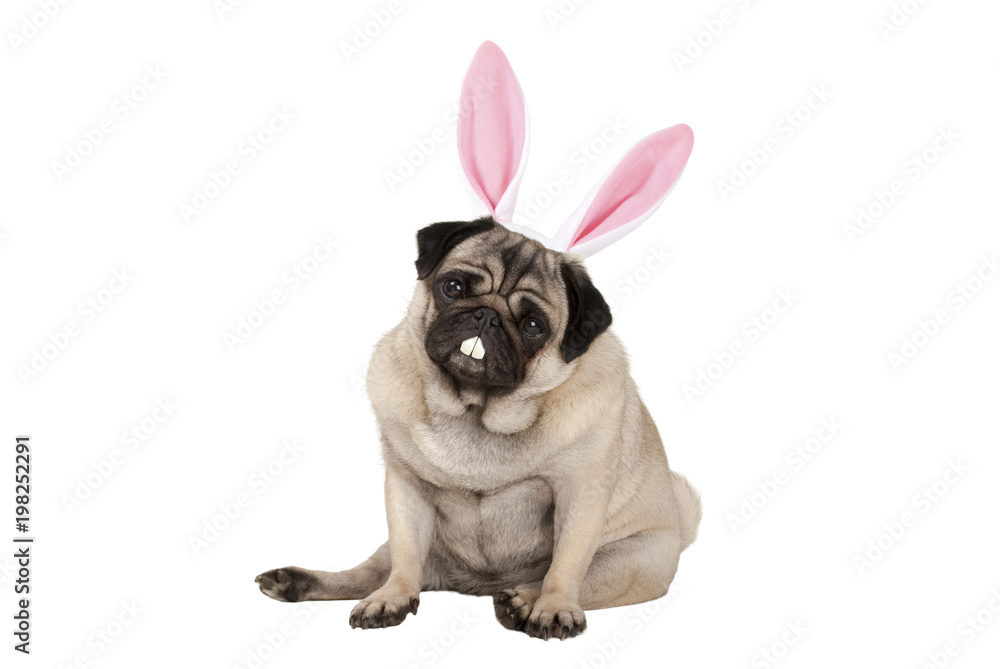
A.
pixel 468 345
pixel 478 351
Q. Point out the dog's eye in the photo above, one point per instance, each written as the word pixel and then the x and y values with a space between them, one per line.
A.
pixel 531 327
pixel 452 288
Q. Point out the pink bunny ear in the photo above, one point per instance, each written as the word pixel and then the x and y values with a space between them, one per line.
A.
pixel 630 192
pixel 493 131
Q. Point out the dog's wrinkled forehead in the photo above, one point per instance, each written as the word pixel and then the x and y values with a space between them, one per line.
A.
pixel 506 263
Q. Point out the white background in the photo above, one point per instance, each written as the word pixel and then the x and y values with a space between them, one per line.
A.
pixel 794 563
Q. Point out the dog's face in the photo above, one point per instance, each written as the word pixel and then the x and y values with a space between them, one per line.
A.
pixel 502 306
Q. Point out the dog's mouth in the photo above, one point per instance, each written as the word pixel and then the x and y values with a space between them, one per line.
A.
pixel 475 356
pixel 464 367
pixel 477 360
pixel 474 347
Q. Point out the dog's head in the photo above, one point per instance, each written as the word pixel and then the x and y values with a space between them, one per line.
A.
pixel 502 306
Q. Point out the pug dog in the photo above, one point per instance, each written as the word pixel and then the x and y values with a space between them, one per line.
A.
pixel 520 461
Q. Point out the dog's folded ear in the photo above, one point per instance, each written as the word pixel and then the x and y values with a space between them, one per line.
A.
pixel 436 240
pixel 589 314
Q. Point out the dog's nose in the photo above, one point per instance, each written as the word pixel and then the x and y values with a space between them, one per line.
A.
pixel 486 317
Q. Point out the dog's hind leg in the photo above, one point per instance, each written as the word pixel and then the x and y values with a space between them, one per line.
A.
pixel 294 584
pixel 629 571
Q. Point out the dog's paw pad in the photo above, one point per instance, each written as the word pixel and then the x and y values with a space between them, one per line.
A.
pixel 543 624
pixel 377 611
pixel 512 608
pixel 288 584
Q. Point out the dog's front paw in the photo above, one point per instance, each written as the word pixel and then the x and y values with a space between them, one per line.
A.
pixel 554 617
pixel 513 606
pixel 384 608
pixel 288 584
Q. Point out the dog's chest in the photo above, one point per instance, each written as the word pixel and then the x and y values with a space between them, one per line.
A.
pixel 456 452
pixel 495 534
pixel 493 512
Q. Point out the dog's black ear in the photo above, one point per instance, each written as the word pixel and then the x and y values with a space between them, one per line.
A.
pixel 589 314
pixel 434 241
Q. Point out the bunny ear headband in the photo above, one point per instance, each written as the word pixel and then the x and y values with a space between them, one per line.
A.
pixel 493 148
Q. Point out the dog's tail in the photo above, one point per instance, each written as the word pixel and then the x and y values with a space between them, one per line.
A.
pixel 688 503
